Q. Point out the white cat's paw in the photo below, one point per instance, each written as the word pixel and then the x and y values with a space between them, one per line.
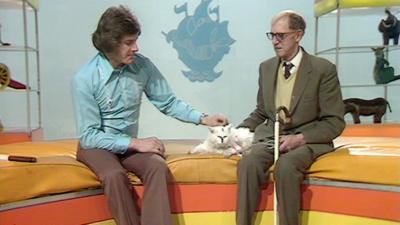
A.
pixel 230 152
pixel 199 149
pixel 227 154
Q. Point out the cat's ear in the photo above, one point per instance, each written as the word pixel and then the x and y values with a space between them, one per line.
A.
pixel 211 129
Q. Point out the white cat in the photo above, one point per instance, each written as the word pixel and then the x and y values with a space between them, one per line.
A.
pixel 225 140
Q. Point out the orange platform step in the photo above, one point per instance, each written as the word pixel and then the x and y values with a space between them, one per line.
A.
pixel 8 137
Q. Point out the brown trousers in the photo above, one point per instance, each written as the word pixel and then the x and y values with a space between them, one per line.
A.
pixel 288 173
pixel 111 169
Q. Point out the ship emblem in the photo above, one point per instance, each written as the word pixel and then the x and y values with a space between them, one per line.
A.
pixel 200 41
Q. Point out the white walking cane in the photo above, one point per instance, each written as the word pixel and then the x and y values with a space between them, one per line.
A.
pixel 276 152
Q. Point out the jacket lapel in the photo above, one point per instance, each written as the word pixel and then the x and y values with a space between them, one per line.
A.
pixel 302 78
pixel 269 88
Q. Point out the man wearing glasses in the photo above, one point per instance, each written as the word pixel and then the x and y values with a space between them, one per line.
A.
pixel 309 88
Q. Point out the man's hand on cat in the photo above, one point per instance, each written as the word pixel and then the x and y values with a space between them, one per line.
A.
pixel 150 144
pixel 214 120
pixel 291 142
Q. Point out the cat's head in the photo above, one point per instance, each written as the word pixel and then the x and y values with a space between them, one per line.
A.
pixel 379 52
pixel 220 135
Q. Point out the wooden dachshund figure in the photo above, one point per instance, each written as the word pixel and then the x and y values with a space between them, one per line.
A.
pixel 362 107
pixel 390 28
pixel 383 73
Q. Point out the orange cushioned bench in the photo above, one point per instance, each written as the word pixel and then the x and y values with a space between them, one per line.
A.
pixel 342 187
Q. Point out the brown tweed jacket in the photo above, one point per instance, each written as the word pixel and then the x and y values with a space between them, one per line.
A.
pixel 316 107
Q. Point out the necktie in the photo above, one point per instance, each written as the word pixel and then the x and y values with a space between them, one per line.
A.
pixel 288 66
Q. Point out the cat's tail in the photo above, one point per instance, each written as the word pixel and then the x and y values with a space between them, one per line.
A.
pixel 386 79
pixel 397 77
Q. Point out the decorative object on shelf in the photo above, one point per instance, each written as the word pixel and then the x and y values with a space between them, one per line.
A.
pixel 24 56
pixel 390 28
pixel 4 76
pixel 1 40
pixel 16 85
pixel 383 73
pixel 363 107
pixel 6 81
pixel 1 127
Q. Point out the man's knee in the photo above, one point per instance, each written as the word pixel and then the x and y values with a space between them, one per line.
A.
pixel 157 165
pixel 251 166
pixel 291 166
pixel 248 162
pixel 284 167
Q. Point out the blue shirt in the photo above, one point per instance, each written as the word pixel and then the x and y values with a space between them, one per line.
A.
pixel 107 101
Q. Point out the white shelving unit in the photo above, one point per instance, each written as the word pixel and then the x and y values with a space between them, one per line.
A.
pixel 29 66
pixel 335 11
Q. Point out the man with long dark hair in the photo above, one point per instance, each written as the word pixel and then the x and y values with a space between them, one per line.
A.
pixel 107 97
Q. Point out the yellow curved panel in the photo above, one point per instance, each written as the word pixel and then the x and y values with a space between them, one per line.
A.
pixel 367 3
pixel 322 7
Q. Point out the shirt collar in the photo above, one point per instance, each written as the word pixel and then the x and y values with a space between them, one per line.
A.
pixel 296 60
pixel 105 68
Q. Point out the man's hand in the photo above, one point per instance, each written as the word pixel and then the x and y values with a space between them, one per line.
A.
pixel 215 120
pixel 291 142
pixel 151 144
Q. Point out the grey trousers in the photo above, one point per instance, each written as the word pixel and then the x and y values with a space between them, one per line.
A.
pixel 289 174
pixel 111 170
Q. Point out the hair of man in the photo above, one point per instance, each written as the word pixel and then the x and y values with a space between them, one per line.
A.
pixel 114 24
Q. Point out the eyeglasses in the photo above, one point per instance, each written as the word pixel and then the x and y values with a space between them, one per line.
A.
pixel 278 36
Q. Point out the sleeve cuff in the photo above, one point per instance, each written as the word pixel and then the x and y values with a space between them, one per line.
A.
pixel 122 144
pixel 195 117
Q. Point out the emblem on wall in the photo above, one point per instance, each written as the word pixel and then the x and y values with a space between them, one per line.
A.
pixel 200 41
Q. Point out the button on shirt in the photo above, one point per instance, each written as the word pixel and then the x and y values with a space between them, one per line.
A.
pixel 107 101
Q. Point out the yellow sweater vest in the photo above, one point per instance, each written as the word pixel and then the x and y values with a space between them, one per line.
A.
pixel 284 89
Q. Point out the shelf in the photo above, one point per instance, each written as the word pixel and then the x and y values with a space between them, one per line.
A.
pixel 335 12
pixel 20 90
pixel 357 49
pixel 17 4
pixel 19 129
pixel 369 85
pixel 12 48
pixel 23 102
